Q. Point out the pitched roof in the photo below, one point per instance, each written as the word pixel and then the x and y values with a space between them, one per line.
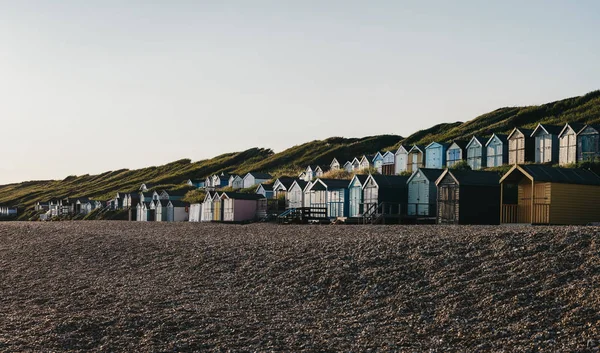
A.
pixel 361 178
pixel 301 183
pixel 460 143
pixel 404 147
pixel 474 177
pixel 429 173
pixel 502 137
pixel 180 192
pixel 482 140
pixel 421 148
pixel 551 129
pixel 369 157
pixel 577 127
pixel 179 203
pixel 335 183
pixel 526 132
pixel 260 175
pixel 242 196
pixel 593 126
pixel 286 181
pixel 390 180
pixel 443 144
pixel 558 175
pixel 266 187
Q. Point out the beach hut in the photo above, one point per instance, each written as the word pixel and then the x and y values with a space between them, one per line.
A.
pixel 217 205
pixel 145 187
pixel 281 186
pixel 177 211
pixel 378 162
pixel 468 197
pixel 195 212
pixel 255 178
pixel 348 167
pixel 567 141
pixel 235 182
pixel 197 183
pixel 334 165
pixel 207 207
pixel 435 155
pixel 145 196
pixel 456 153
pixel 241 207
pixel 306 201
pixel 497 150
pixel 208 183
pixel 331 194
pixel 546 143
pixel 173 194
pixel 422 192
pixel 520 146
pixel 355 195
pixel 416 158
pixel 160 207
pixel 366 161
pixel 388 167
pixel 385 194
pixel 476 153
pixel 320 171
pixel 401 159
pixel 266 190
pixel 140 211
pixel 588 146
pixel 295 194
pixel 355 164
pixel 541 194
pixel 309 173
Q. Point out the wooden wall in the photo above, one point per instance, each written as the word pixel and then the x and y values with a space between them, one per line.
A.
pixel 574 204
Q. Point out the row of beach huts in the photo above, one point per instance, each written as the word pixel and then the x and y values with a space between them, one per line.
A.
pixel 413 184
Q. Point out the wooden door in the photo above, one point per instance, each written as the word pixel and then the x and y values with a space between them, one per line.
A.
pixel 448 204
pixel 355 200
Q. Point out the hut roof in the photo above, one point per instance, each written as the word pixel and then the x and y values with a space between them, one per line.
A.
pixel 241 196
pixel 472 177
pixel 556 175
pixel 390 180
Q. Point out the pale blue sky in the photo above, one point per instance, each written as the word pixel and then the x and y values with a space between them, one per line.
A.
pixel 90 86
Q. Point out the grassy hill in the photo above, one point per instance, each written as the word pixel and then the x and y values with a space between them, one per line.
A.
pixel 584 109
pixel 173 175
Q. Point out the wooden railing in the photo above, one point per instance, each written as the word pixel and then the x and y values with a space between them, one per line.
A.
pixel 541 213
pixel 522 213
pixel 510 213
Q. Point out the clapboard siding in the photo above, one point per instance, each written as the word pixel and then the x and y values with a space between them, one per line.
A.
pixel 574 204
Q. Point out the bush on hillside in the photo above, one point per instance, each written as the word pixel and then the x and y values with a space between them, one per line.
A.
pixel 462 165
pixel 339 174
pixel 194 196
pixel 366 171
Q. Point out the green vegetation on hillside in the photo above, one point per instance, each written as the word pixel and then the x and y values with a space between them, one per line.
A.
pixel 172 175
pixel 584 109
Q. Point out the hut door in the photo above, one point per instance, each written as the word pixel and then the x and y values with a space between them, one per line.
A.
pixel 448 204
pixel 419 198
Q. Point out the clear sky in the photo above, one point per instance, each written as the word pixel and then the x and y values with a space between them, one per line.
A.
pixel 97 85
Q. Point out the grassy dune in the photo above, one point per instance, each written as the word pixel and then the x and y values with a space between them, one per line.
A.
pixel 169 287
